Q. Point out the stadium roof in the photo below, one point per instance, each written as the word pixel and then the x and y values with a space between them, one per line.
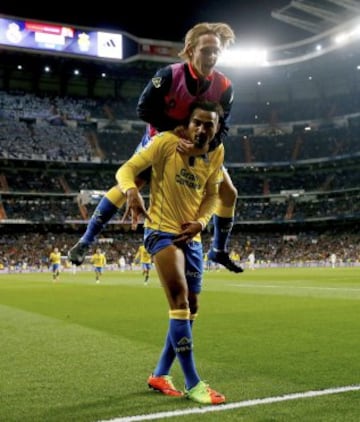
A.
pixel 317 16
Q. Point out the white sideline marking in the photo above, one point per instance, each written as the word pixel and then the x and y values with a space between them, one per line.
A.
pixel 277 286
pixel 246 403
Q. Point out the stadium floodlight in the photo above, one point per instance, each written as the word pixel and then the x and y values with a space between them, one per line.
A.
pixel 348 36
pixel 342 38
pixel 355 32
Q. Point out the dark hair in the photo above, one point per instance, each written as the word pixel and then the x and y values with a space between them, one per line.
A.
pixel 207 106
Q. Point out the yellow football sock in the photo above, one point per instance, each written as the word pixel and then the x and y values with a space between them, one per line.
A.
pixel 179 314
pixel 225 212
pixel 116 197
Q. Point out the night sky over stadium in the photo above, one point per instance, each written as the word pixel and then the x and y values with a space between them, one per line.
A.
pixel 250 19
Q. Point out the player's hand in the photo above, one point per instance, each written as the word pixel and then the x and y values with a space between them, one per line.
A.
pixel 189 230
pixel 135 208
pixel 181 132
pixel 185 145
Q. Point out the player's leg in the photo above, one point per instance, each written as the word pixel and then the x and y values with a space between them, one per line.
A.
pixel 147 273
pixel 173 280
pixel 54 272
pixel 183 306
pixel 223 221
pixel 108 206
pixel 179 336
pixel 97 274
pixel 199 392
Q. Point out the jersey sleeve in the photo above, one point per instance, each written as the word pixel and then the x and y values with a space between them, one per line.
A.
pixel 151 104
pixel 144 158
pixel 226 103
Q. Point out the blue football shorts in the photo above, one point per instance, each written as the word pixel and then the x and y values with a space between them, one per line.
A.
pixel 155 241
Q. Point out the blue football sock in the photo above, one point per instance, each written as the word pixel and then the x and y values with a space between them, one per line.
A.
pixel 222 232
pixel 103 213
pixel 181 339
pixel 166 359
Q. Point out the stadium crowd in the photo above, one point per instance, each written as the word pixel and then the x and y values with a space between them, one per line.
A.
pixel 29 251
pixel 52 148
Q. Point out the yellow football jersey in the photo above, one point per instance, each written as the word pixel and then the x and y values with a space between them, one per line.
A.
pixel 178 182
pixel 98 260
pixel 143 255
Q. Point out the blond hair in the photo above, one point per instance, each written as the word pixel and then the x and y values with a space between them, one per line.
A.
pixel 221 30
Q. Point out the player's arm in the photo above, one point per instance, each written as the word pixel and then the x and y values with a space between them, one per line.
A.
pixel 190 229
pixel 226 102
pixel 126 174
pixel 137 256
pixel 160 146
pixel 126 178
pixel 151 104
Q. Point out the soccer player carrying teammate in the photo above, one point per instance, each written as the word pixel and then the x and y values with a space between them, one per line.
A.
pixel 164 105
pixel 144 258
pixel 183 194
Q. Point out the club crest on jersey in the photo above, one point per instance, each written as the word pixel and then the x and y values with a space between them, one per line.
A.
pixel 156 82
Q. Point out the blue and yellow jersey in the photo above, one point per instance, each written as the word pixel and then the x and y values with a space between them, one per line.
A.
pixel 98 260
pixel 143 256
pixel 234 256
pixel 55 258
pixel 178 183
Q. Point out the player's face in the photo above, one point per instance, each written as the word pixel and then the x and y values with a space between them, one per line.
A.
pixel 205 54
pixel 203 127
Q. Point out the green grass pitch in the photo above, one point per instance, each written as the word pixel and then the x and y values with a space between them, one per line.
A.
pixel 81 352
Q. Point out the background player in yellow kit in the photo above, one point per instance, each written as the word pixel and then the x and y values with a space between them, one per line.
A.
pixel 98 260
pixel 55 262
pixel 144 258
